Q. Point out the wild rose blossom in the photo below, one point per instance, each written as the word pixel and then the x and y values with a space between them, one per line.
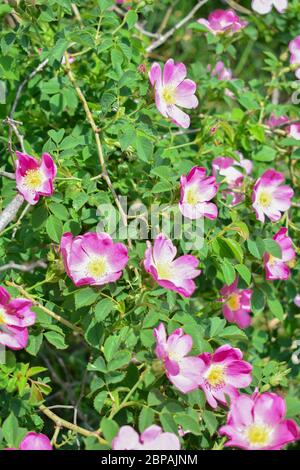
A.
pixel 223 21
pixel 15 317
pixel 294 131
pixel 153 438
pixel 172 89
pixel 181 370
pixel 269 197
pixel 223 74
pixel 196 190
pixel 294 48
pixel 93 258
pixel 34 178
pixel 34 441
pixel 257 423
pixel 223 373
pixel 265 6
pixel 234 173
pixel 173 274
pixel 277 268
pixel 275 121
pixel 297 300
pixel 236 304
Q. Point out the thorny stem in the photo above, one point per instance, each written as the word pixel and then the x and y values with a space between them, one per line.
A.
pixel 56 317
pixel 62 423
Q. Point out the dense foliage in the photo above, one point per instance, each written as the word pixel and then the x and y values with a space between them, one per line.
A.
pixel 74 84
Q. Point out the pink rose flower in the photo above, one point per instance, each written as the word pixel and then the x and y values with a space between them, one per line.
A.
pixel 196 190
pixel 277 268
pixel 223 21
pixel 171 274
pixel 181 370
pixel 34 441
pixel 93 258
pixel 236 304
pixel 297 300
pixel 275 121
pixel 265 6
pixel 294 47
pixel 294 131
pixel 224 372
pixel 269 197
pixel 172 89
pixel 15 317
pixel 257 423
pixel 223 74
pixel 153 438
pixel 34 178
pixel 234 172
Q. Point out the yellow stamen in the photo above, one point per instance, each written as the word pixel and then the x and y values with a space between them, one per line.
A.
pixel 215 376
pixel 2 313
pixel 169 95
pixel 164 271
pixel 264 199
pixel 233 301
pixel 191 197
pixel 97 267
pixel 258 435
pixel 33 179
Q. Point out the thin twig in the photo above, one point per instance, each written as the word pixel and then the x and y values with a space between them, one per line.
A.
pixel 6 174
pixel 171 31
pixel 71 426
pixel 96 132
pixel 13 128
pixel 56 317
pixel 10 212
pixel 25 267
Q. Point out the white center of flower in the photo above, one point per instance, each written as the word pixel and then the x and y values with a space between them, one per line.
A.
pixel 169 95
pixel 233 301
pixel 265 199
pixel 33 179
pixel 191 196
pixel 258 435
pixel 215 376
pixel 97 267
pixel 164 271
pixel 174 356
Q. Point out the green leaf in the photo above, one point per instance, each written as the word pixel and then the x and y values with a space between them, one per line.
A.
pixel 256 248
pixel 103 309
pixel 216 326
pixel 85 297
pixel 54 228
pixel 131 18
pixel 120 359
pixel 144 148
pixel 188 423
pixel 99 401
pixel 168 423
pixel 266 154
pixel 276 308
pixel 210 421
pixel 146 418
pixel 11 431
pixel 109 428
pixel 273 248
pixel 235 247
pixel 244 272
pixel 56 339
pixel 228 272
